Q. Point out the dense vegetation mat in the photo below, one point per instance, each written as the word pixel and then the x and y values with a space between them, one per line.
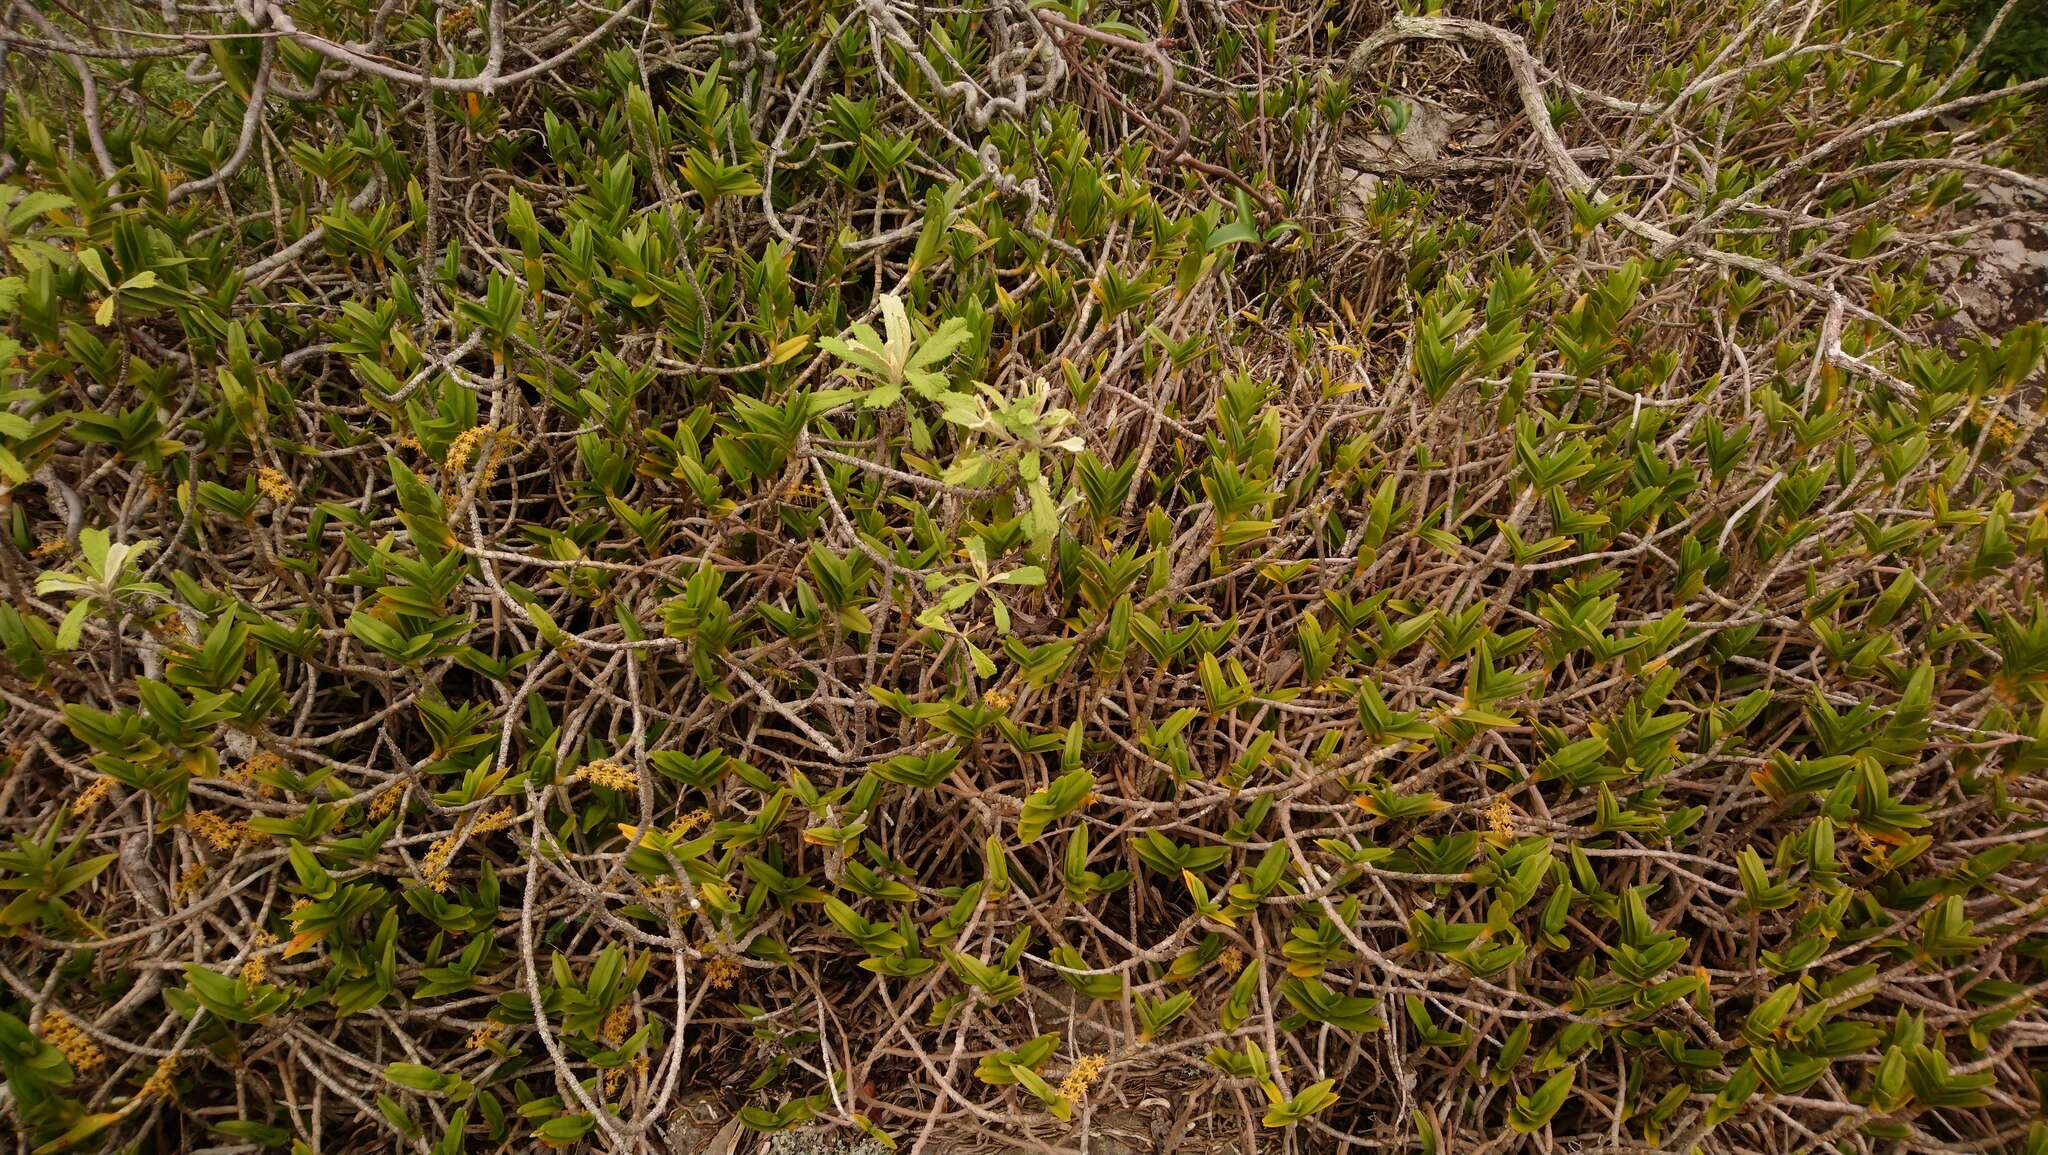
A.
pixel 1004 576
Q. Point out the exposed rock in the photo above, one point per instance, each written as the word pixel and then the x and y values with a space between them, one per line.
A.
pixel 818 1142
pixel 1429 142
pixel 2004 280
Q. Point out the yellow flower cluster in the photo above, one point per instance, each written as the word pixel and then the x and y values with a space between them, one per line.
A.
pixel 617 1075
pixel 606 772
pixel 434 867
pixel 383 804
pixel 1075 1085
pixel 614 1030
pixel 1500 816
pixel 219 832
pixel 1231 960
pixel 275 487
pixel 261 762
pixel 159 1082
pixel 81 1052
pixel 463 448
pixel 188 880
pixel 496 820
pixel 720 972
pixel 92 796
pixel 256 970
pixel 689 822
pixel 669 895
pixel 484 1036
pixel 501 447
